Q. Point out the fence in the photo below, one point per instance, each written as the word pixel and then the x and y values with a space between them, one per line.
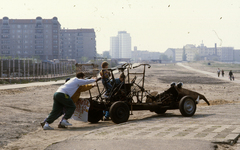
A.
pixel 15 69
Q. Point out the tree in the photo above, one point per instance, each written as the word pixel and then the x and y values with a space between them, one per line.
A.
pixel 106 54
pixel 84 59
pixel 164 57
pixel 197 57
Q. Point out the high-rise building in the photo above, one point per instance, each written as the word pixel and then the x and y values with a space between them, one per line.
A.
pixel 120 46
pixel 78 44
pixel 27 38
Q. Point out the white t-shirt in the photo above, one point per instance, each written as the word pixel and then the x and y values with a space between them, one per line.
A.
pixel 71 86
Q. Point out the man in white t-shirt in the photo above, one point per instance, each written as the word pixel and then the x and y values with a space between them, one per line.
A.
pixel 62 99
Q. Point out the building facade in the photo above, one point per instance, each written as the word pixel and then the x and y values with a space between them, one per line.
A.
pixel 29 38
pixel 120 46
pixel 236 54
pixel 114 47
pixel 78 44
pixel 144 55
pixel 225 53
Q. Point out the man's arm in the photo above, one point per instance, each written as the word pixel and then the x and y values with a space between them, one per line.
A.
pixel 85 81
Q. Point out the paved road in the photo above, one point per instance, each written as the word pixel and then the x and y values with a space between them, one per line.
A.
pixel 169 131
pixel 219 123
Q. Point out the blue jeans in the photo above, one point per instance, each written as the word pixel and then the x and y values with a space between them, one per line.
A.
pixel 107 85
pixel 106 114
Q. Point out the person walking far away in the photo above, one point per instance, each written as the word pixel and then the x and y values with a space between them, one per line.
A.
pixel 222 73
pixel 218 72
pixel 62 99
pixel 231 77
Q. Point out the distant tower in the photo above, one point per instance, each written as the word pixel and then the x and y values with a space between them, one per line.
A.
pixel 120 46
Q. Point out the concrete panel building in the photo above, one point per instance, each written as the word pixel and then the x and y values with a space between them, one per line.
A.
pixel 27 38
pixel 114 47
pixel 144 55
pixel 225 53
pixel 178 54
pixel 78 43
pixel 236 54
pixel 120 46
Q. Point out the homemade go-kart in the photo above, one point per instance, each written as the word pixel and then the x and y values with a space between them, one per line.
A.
pixel 129 96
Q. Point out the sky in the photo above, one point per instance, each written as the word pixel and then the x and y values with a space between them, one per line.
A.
pixel 154 25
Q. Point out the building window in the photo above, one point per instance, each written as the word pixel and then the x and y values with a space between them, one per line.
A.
pixel 38 52
pixel 5 47
pixel 5 42
pixel 55 52
pixel 55 36
pixel 55 31
pixel 19 41
pixel 19 47
pixel 39 47
pixel 5 36
pixel 39 42
pixel 39 36
pixel 39 31
pixel 5 52
pixel 5 30
pixel 18 26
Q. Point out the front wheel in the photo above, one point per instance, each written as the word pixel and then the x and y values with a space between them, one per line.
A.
pixel 187 106
pixel 119 112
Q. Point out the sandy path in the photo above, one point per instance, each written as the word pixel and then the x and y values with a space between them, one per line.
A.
pixel 27 107
pixel 213 75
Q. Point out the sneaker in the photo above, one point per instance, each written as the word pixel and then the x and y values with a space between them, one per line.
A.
pixel 47 127
pixel 65 123
pixel 61 126
pixel 105 96
pixel 42 124
pixel 105 118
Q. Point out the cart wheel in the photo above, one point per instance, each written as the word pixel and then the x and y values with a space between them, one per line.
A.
pixel 119 112
pixel 94 115
pixel 187 106
pixel 160 111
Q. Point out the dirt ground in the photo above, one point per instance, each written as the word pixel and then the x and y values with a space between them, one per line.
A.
pixel 22 110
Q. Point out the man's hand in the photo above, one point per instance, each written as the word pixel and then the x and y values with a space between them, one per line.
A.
pixel 95 78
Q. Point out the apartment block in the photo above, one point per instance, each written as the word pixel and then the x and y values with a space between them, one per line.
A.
pixel 225 53
pixel 144 55
pixel 27 38
pixel 78 43
pixel 120 46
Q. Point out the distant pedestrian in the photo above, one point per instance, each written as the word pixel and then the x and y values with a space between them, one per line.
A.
pixel 231 77
pixel 218 72
pixel 222 73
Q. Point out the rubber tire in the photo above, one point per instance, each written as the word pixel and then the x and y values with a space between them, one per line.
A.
pixel 119 112
pixel 160 111
pixel 95 115
pixel 187 112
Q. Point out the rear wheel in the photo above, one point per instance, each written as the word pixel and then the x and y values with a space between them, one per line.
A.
pixel 160 111
pixel 119 112
pixel 95 115
pixel 187 106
